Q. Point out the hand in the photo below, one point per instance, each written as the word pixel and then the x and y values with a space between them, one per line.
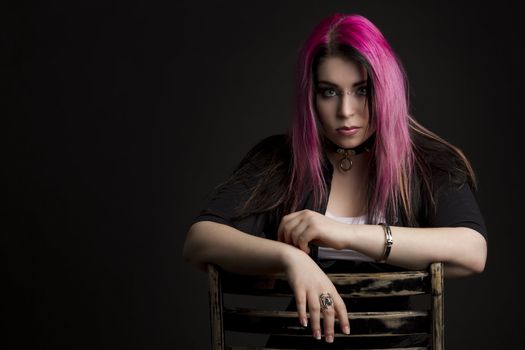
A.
pixel 308 282
pixel 305 226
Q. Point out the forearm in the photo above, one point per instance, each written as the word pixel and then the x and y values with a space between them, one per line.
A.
pixel 233 250
pixel 462 250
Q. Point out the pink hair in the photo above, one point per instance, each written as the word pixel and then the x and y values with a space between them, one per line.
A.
pixel 392 151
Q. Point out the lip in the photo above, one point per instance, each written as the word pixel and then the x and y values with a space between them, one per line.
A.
pixel 348 130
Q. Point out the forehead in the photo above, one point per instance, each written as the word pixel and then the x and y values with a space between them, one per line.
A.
pixel 340 71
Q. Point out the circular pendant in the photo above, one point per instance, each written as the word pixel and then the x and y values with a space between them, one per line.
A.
pixel 346 164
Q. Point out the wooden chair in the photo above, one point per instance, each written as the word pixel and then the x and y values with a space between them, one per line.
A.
pixel 366 327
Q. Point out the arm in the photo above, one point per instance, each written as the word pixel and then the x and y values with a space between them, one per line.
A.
pixel 238 252
pixel 210 242
pixel 463 250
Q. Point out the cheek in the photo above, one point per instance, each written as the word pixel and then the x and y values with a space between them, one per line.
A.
pixel 324 111
pixel 364 112
pixel 363 108
pixel 369 123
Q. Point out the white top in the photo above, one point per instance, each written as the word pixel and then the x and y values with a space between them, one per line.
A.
pixel 344 254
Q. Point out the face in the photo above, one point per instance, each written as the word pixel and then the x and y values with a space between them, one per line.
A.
pixel 341 100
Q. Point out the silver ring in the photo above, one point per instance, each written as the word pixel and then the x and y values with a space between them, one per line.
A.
pixel 326 301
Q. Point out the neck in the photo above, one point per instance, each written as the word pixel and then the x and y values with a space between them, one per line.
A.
pixel 347 160
pixel 360 163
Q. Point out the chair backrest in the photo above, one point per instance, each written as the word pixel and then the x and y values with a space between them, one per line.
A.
pixel 378 328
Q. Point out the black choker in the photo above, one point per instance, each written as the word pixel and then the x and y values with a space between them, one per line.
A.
pixel 345 163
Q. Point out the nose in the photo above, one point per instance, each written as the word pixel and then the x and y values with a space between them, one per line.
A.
pixel 347 106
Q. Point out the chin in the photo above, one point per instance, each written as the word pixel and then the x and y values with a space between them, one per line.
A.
pixel 348 141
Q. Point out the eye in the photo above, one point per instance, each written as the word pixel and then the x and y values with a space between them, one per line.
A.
pixel 327 92
pixel 361 91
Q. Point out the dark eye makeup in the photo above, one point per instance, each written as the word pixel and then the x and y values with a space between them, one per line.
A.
pixel 327 92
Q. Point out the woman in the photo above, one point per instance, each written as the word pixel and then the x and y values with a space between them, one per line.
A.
pixel 356 180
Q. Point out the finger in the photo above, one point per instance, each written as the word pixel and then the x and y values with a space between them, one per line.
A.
pixel 282 225
pixel 305 248
pixel 299 234
pixel 303 241
pixel 281 231
pixel 342 314
pixel 329 319
pixel 286 219
pixel 315 314
pixel 289 229
pixel 280 228
pixel 300 302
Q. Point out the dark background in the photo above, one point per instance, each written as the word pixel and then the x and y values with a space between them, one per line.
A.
pixel 121 117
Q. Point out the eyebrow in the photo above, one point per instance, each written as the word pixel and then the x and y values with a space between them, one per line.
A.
pixel 337 86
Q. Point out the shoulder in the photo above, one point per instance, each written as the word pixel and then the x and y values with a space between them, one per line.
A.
pixel 440 163
pixel 262 175
pixel 457 206
pixel 273 149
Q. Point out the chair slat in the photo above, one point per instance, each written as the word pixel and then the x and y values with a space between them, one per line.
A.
pixel 362 323
pixel 262 348
pixel 357 285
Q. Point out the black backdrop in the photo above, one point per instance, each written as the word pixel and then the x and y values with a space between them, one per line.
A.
pixel 121 117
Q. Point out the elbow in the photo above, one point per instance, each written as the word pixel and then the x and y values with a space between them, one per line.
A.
pixel 471 258
pixel 186 251
pixel 190 251
pixel 466 269
pixel 475 267
pixel 478 266
pixel 478 255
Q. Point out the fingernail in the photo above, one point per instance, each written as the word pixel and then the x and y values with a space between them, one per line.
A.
pixel 346 330
pixel 317 335
pixel 304 322
pixel 329 338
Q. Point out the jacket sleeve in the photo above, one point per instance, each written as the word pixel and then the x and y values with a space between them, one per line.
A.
pixel 230 196
pixel 223 205
pixel 456 206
